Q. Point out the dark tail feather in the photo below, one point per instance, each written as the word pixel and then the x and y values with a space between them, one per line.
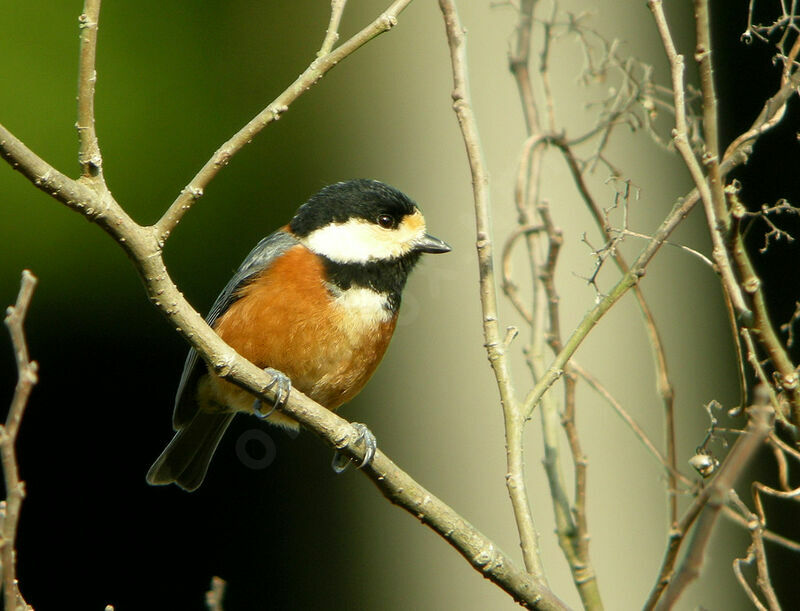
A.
pixel 185 460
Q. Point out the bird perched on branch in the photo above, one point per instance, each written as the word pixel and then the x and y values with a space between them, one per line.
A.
pixel 314 304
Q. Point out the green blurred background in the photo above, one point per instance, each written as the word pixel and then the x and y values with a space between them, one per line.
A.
pixel 175 79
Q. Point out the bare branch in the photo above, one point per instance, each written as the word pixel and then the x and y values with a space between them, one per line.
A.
pixel 580 333
pixel 332 33
pixel 89 196
pixel 510 288
pixel 496 350
pixel 695 253
pixel 766 406
pixel 788 327
pixel 787 375
pixel 679 212
pixel 755 555
pixel 629 420
pixel 792 546
pixel 27 376
pixel 680 137
pixel 544 319
pixel 396 485
pixel 771 114
pixel 703 56
pixel 518 64
pixel 571 520
pixel 737 571
pixel 708 505
pixel 315 71
pixel 664 385
pixel 89 155
pixel 77 195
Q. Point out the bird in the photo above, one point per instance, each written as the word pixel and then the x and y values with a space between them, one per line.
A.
pixel 315 305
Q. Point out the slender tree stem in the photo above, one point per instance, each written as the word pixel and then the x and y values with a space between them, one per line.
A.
pixel 27 376
pixel 89 155
pixel 495 347
pixel 332 33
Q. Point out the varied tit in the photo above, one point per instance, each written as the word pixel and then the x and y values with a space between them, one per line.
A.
pixel 314 304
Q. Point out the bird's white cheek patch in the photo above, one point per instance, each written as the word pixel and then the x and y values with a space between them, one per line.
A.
pixel 359 241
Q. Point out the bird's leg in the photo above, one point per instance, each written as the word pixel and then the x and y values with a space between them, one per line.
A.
pixel 284 387
pixel 340 461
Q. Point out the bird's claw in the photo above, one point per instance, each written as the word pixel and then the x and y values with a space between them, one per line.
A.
pixel 341 462
pixel 284 387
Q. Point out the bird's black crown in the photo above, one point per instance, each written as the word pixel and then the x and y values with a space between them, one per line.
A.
pixel 354 199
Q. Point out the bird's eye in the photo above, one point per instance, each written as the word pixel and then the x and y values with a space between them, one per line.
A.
pixel 385 221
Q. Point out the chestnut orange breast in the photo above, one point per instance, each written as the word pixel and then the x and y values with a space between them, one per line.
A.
pixel 327 340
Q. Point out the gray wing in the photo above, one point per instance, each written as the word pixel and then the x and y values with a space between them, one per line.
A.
pixel 259 259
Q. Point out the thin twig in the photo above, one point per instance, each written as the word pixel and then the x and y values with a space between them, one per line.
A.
pixel 332 33
pixel 571 519
pixel 783 465
pixel 663 383
pixel 525 200
pixel 755 554
pixel 695 253
pixel 544 72
pixel 735 155
pixel 680 136
pixel 510 288
pixel 681 529
pixel 772 537
pixel 315 71
pixel 89 154
pixel 638 431
pixel 27 376
pixel 772 112
pixel 703 56
pixel 783 446
pixel 787 375
pixel 572 526
pixel 496 350
pixel 709 503
pixel 556 368
pixel 737 571
pixel 518 64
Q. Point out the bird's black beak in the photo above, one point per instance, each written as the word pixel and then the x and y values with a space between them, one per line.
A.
pixel 431 245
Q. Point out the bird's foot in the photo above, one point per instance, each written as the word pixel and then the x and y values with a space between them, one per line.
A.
pixel 340 461
pixel 283 386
